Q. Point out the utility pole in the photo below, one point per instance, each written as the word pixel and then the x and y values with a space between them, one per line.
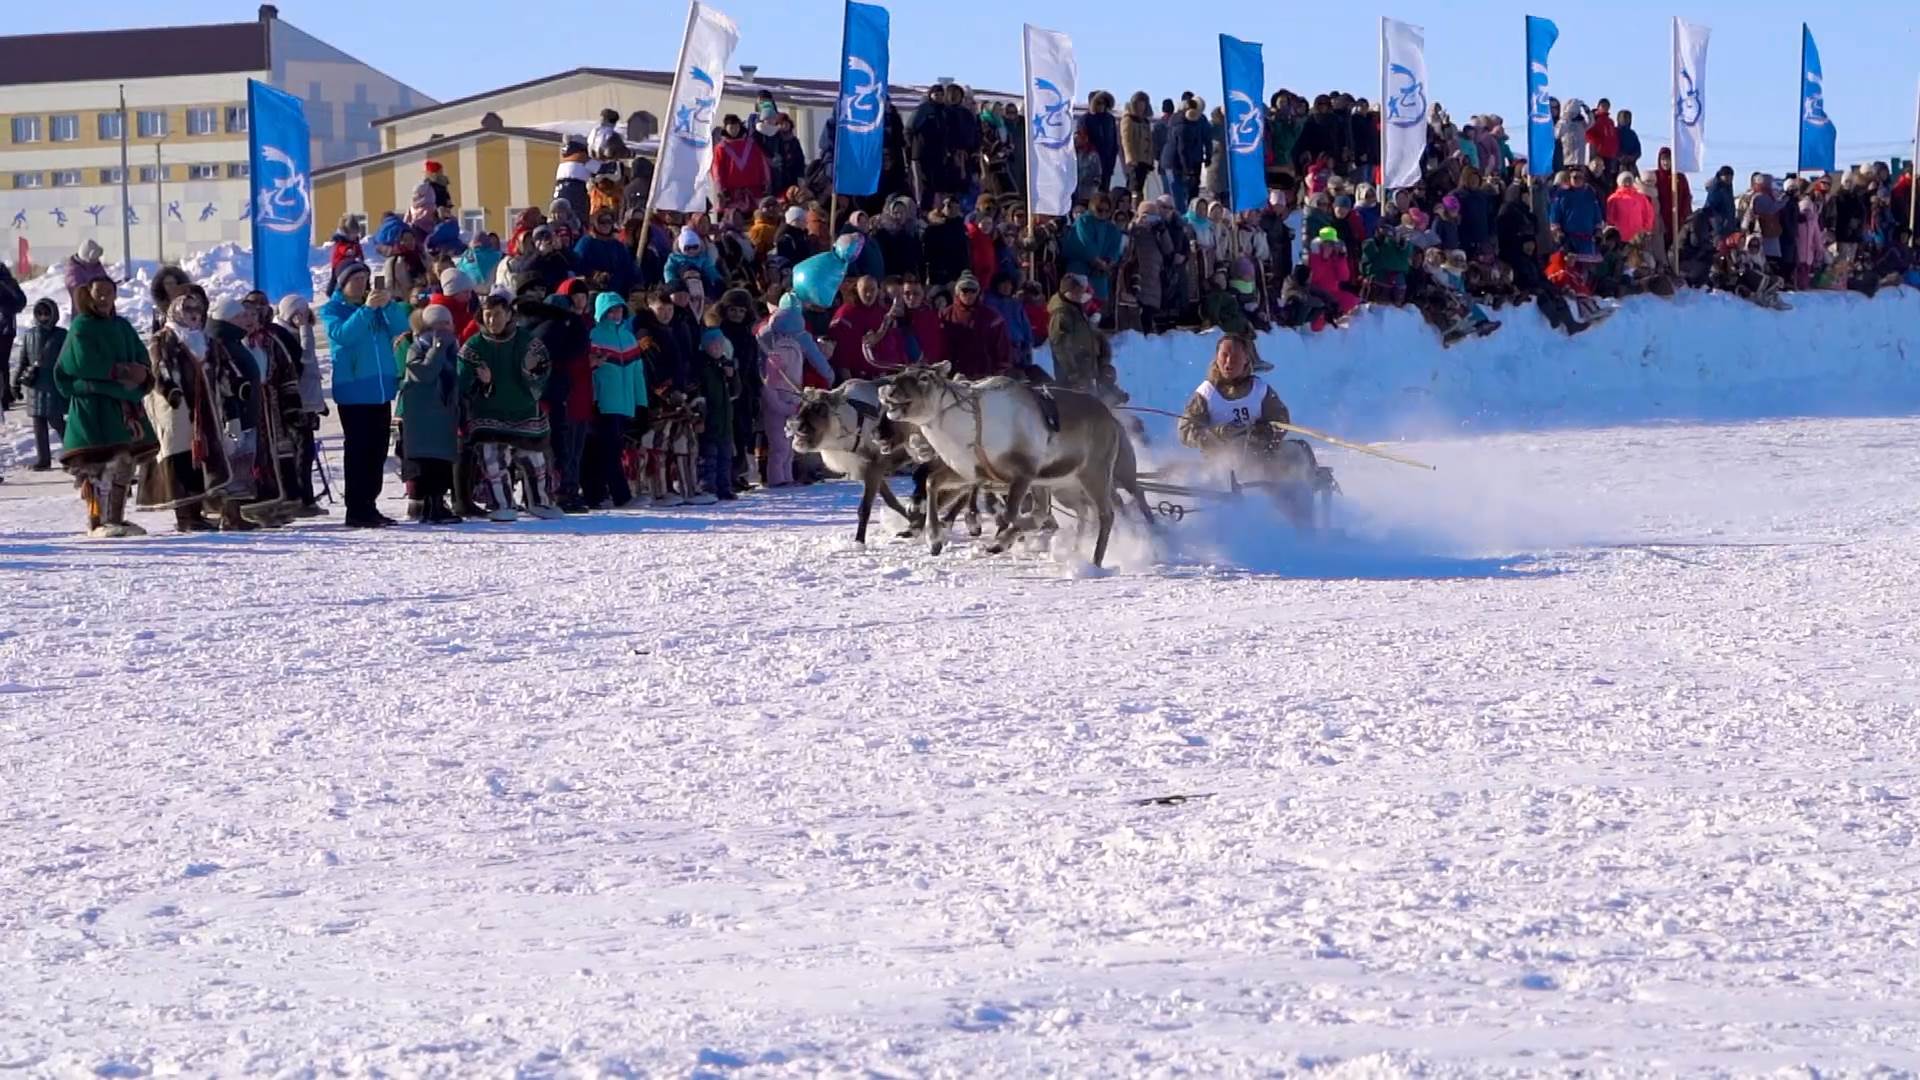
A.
pixel 159 206
pixel 126 201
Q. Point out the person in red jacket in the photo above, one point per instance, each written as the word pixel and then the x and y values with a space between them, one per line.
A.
pixel 923 324
pixel 741 172
pixel 977 342
pixel 868 342
pixel 1603 139
pixel 982 258
pixel 1664 179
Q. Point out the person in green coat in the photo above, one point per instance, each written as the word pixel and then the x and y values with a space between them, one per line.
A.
pixel 104 374
pixel 430 396
pixel 503 370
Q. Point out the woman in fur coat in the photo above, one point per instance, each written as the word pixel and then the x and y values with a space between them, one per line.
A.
pixel 192 463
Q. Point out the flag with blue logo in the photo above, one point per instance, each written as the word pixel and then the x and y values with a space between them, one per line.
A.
pixel 1816 131
pixel 1052 78
pixel 1245 76
pixel 277 157
pixel 859 128
pixel 1689 95
pixel 686 146
pixel 1403 102
pixel 1541 34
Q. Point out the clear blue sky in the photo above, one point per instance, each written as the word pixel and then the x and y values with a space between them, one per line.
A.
pixel 1617 49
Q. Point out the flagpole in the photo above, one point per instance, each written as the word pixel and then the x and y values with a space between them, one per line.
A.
pixel 660 154
pixel 1026 122
pixel 1386 193
pixel 833 197
pixel 1673 125
pixel 1800 120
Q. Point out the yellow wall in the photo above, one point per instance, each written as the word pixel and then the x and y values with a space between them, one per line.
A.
pixel 329 203
pixel 89 127
pixel 495 162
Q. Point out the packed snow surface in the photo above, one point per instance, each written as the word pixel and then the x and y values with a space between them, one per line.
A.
pixel 1593 751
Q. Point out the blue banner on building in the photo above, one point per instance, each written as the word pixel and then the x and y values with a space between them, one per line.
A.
pixel 1817 136
pixel 859 119
pixel 277 145
pixel 1541 34
pixel 1245 75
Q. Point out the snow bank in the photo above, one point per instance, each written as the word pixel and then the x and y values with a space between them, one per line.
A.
pixel 1700 356
pixel 224 270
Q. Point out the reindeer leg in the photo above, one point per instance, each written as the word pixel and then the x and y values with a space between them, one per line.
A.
pixel 866 508
pixel 917 517
pixel 936 527
pixel 973 512
pixel 1009 518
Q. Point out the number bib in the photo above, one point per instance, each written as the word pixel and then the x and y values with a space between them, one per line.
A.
pixel 1241 411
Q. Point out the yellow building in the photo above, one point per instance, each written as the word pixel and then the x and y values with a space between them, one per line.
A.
pixel 186 123
pixel 492 172
pixel 501 147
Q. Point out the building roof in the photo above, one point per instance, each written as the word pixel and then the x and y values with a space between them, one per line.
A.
pixel 147 53
pixel 440 143
pixel 800 91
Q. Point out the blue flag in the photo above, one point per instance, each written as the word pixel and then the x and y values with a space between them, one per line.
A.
pixel 1816 131
pixel 1245 75
pixel 1541 34
pixel 859 118
pixel 282 192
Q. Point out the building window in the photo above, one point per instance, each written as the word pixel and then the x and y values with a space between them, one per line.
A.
pixel 236 170
pixel 111 124
pixel 26 180
pixel 111 176
pixel 26 129
pixel 66 178
pixel 63 128
pixel 153 173
pixel 236 119
pixel 203 172
pixel 472 223
pixel 151 123
pixel 203 121
pixel 359 122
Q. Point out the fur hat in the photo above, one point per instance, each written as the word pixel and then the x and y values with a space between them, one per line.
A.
pixel 293 304
pixel 84 272
pixel 455 281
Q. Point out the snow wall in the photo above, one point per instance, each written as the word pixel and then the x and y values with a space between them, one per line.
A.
pixel 1701 356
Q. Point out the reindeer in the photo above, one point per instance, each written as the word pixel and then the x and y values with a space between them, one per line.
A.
pixel 847 429
pixel 995 433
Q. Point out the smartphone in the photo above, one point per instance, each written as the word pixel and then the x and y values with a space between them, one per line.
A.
pixel 380 282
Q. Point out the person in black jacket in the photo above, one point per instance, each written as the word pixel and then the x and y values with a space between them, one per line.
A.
pixel 928 149
pixel 13 301
pixel 735 319
pixel 945 242
pixel 1102 129
pixel 785 156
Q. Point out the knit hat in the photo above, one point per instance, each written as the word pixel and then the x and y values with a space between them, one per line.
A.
pixel 437 315
pixel 1451 203
pixel 796 216
pixel 293 304
pixel 677 284
pixel 965 280
pixel 690 239
pixel 433 167
pixel 454 281
pixel 715 335
pixel 228 309
pixel 542 233
pixel 347 269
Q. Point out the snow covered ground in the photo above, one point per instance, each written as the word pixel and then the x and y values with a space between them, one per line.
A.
pixel 1596 750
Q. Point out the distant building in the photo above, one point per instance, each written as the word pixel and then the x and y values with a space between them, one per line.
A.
pixel 186 94
pixel 499 148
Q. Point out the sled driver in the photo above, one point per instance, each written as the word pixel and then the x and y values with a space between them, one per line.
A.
pixel 1230 416
pixel 1223 411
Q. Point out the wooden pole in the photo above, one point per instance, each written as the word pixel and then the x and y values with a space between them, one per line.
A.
pixel 1026 120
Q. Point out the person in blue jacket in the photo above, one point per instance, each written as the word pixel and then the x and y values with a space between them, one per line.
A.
pixel 361 323
pixel 1576 215
pixel 602 252
pixel 1093 246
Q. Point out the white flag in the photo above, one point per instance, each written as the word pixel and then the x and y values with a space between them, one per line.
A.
pixel 1403 102
pixel 1052 81
pixel 1689 96
pixel 686 147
